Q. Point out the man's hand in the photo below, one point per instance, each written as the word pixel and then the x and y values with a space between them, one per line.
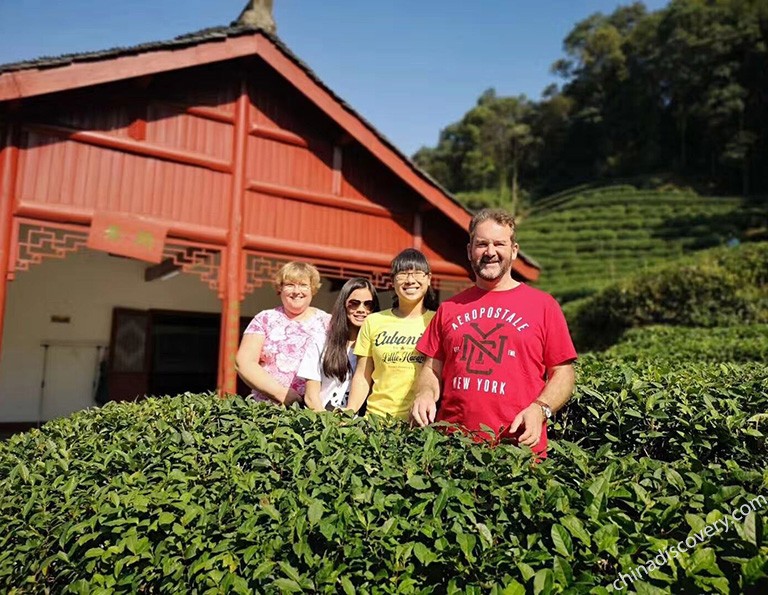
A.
pixel 423 410
pixel 531 419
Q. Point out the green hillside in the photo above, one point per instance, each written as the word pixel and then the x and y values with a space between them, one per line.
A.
pixel 586 239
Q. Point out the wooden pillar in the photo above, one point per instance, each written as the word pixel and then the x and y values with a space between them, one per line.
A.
pixel 9 162
pixel 233 261
pixel 417 238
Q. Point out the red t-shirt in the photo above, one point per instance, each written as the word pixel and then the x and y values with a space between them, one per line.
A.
pixel 495 347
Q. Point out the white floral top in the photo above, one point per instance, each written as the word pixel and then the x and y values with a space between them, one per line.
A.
pixel 285 341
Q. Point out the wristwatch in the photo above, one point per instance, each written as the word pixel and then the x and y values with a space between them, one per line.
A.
pixel 545 409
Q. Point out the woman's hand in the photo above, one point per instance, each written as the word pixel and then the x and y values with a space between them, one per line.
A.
pixel 292 397
pixel 249 369
pixel 312 396
pixel 361 383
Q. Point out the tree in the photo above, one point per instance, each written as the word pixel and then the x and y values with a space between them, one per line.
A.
pixel 679 92
pixel 507 136
pixel 487 148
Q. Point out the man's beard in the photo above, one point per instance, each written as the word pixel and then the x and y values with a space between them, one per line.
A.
pixel 504 268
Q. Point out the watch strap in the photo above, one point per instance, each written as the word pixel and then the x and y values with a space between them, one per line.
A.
pixel 545 408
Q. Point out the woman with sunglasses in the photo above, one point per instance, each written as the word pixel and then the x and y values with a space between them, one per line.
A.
pixel 275 341
pixel 328 364
pixel 388 363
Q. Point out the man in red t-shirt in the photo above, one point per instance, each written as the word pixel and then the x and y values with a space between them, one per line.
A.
pixel 498 354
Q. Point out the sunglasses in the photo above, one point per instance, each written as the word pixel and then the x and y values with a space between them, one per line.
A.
pixel 355 304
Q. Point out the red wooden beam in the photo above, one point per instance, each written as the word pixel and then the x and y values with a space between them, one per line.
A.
pixel 347 256
pixel 338 163
pixel 99 139
pixel 277 134
pixel 200 111
pixel 318 198
pixel 70 214
pixel 418 240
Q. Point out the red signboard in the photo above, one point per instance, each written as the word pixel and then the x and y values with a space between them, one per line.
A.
pixel 127 235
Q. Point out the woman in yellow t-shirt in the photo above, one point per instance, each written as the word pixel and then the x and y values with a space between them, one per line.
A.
pixel 387 360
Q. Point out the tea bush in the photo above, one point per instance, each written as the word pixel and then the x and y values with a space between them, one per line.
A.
pixel 738 343
pixel 723 287
pixel 671 410
pixel 193 494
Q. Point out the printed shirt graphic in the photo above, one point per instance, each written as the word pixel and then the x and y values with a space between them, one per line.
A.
pixel 333 394
pixel 391 342
pixel 285 341
pixel 495 347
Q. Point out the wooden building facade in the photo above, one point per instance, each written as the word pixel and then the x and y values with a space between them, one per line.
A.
pixel 218 155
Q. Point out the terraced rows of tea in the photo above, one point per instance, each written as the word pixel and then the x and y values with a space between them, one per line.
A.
pixel 586 240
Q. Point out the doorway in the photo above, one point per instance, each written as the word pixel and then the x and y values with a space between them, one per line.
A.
pixel 163 352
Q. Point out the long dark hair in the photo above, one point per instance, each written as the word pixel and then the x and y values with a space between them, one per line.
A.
pixel 335 361
pixel 411 259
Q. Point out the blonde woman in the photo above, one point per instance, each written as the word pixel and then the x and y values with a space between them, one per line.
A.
pixel 275 341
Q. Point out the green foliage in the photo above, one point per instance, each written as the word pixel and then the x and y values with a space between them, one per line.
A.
pixel 721 287
pixel 197 494
pixel 485 152
pixel 679 90
pixel 745 343
pixel 671 410
pixel 480 199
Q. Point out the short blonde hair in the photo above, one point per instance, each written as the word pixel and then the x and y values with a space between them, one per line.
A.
pixel 297 272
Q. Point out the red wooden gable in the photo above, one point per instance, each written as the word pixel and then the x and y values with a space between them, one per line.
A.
pixel 208 117
pixel 228 148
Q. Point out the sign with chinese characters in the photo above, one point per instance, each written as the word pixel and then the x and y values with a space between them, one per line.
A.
pixel 127 235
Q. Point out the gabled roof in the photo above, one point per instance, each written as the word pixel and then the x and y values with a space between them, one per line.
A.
pixel 54 74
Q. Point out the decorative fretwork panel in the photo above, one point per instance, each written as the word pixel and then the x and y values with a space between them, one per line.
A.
pixel 35 241
pixel 199 259
pixel 258 271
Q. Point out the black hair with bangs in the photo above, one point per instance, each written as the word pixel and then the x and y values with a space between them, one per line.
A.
pixel 411 259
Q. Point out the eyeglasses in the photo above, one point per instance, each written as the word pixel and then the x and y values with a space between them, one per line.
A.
pixel 295 286
pixel 417 276
pixel 355 304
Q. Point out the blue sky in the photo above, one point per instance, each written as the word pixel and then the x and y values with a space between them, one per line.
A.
pixel 410 67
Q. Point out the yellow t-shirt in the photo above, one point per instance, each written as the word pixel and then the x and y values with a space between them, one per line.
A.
pixel 391 342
